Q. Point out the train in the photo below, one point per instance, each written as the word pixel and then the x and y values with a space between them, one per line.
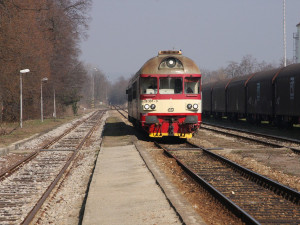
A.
pixel 164 96
pixel 272 96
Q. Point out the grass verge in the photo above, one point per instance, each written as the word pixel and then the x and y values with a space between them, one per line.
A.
pixel 11 132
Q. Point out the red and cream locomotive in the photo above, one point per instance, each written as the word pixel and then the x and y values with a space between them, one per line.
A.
pixel 164 96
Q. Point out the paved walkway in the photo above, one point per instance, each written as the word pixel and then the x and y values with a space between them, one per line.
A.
pixel 123 191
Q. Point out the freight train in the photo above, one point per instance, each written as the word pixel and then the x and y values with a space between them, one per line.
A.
pixel 272 95
pixel 164 96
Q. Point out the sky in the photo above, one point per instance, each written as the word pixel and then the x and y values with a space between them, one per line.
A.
pixel 124 34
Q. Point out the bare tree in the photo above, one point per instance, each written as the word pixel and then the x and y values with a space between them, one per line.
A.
pixel 233 69
pixel 96 87
pixel 288 62
pixel 117 93
pixel 41 35
pixel 22 45
pixel 247 65
pixel 212 76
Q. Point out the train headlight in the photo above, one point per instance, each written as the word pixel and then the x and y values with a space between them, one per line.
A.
pixel 171 62
pixel 153 106
pixel 195 106
pixel 146 106
pixel 189 106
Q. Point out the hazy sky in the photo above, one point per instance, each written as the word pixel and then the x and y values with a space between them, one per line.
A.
pixel 124 34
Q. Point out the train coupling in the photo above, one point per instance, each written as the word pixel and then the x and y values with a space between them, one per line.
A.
pixel 171 130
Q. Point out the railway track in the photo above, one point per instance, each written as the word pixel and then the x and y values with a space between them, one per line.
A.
pixel 270 140
pixel 265 139
pixel 120 110
pixel 26 185
pixel 253 198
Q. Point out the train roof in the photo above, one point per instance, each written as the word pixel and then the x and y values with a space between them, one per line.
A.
pixel 153 65
pixel 209 85
pixel 290 70
pixel 237 80
pixel 221 83
pixel 265 75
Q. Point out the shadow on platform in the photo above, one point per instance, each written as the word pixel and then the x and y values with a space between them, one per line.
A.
pixel 118 129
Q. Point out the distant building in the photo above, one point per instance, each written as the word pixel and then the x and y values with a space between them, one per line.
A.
pixel 297 44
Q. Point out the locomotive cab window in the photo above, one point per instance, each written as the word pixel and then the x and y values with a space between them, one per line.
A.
pixel 192 85
pixel 170 85
pixel 148 85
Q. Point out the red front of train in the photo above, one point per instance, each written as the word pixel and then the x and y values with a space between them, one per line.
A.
pixel 164 97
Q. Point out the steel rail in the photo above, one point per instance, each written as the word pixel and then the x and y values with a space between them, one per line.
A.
pixel 118 108
pixel 280 189
pixel 235 209
pixel 295 141
pixel 276 138
pixel 277 188
pixel 10 170
pixel 15 166
pixel 46 194
pixel 54 140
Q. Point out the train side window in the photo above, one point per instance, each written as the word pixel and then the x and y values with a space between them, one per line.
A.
pixel 134 87
pixel 148 85
pixel 192 85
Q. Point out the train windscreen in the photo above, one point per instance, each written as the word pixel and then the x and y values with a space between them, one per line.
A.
pixel 170 85
pixel 148 85
pixel 192 85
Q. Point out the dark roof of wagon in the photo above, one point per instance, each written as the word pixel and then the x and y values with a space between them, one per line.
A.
pixel 291 70
pixel 208 86
pixel 264 75
pixel 271 75
pixel 222 84
pixel 152 65
pixel 237 80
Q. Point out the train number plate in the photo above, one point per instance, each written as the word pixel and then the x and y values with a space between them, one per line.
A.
pixel 170 109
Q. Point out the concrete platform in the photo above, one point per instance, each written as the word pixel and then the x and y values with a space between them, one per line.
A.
pixel 123 191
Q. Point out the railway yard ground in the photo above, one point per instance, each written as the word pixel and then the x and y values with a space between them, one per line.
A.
pixel 181 199
pixel 279 164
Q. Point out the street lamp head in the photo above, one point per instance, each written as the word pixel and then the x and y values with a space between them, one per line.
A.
pixel 45 79
pixel 24 71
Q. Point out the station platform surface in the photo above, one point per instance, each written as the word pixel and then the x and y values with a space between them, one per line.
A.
pixel 123 191
pixel 128 188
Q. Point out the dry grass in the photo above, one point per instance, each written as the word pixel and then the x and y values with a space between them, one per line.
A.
pixel 11 132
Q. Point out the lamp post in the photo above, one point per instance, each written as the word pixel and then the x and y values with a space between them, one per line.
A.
pixel 106 89
pixel 284 35
pixel 93 87
pixel 54 105
pixel 42 80
pixel 21 97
